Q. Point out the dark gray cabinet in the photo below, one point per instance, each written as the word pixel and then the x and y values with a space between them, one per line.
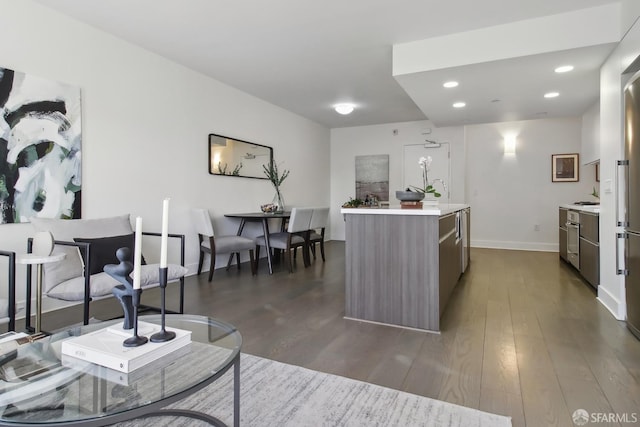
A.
pixel 590 262
pixel 450 262
pixel 590 227
pixel 590 248
pixel 466 250
pixel 562 233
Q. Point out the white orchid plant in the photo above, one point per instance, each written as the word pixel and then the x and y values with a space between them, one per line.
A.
pixel 427 187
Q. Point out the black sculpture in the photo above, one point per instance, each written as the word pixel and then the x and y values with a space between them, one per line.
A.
pixel 123 292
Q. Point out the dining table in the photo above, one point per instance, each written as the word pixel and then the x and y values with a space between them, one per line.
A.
pixel 263 218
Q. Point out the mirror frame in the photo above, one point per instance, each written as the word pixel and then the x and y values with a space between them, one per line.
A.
pixel 212 171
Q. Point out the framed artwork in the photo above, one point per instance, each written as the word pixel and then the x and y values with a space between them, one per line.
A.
pixel 372 177
pixel 564 167
pixel 597 172
pixel 40 148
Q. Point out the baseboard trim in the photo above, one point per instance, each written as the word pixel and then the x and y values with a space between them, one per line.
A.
pixel 392 325
pixel 611 303
pixel 517 246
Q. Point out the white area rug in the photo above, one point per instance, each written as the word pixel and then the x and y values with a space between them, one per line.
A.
pixel 277 394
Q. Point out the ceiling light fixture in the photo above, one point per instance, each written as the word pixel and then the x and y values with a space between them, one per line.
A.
pixel 459 105
pixel 344 108
pixel 450 84
pixel 551 95
pixel 564 69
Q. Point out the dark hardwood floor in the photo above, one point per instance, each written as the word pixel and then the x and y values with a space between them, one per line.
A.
pixel 522 336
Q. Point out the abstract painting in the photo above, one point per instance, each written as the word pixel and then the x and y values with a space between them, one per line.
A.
pixel 40 148
pixel 372 177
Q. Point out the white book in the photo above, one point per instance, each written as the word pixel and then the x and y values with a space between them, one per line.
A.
pixel 105 348
pixel 124 378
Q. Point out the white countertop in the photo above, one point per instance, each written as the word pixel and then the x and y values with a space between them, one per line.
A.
pixel 438 210
pixel 583 208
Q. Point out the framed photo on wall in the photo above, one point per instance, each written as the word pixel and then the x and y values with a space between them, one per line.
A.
pixel 564 167
pixel 372 177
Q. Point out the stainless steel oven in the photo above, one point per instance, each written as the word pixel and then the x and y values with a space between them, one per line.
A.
pixel 573 238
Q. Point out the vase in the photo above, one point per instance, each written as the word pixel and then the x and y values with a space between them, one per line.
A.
pixel 278 200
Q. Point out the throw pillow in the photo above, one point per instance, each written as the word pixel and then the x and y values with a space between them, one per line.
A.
pixel 103 250
pixel 65 230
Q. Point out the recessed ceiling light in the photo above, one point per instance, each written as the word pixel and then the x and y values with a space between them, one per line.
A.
pixel 551 95
pixel 344 108
pixel 564 69
pixel 450 84
pixel 459 105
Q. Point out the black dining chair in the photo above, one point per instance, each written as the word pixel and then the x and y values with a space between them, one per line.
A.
pixel 216 245
pixel 8 306
pixel 296 236
pixel 319 222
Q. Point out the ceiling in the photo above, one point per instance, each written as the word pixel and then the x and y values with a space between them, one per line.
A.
pixel 511 89
pixel 306 56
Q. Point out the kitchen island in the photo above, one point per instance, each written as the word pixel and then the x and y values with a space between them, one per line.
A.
pixel 402 264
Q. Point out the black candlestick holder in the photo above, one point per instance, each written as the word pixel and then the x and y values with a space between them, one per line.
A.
pixel 135 340
pixel 163 335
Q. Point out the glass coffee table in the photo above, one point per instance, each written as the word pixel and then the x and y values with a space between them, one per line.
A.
pixel 38 387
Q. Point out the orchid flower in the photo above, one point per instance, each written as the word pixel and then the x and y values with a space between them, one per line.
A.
pixel 425 165
pixel 425 162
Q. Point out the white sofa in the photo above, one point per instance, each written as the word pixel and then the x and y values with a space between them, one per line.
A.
pixel 89 244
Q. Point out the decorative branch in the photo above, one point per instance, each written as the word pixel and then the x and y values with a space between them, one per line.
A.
pixel 272 172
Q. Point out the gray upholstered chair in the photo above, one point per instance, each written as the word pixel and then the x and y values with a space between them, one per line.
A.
pixel 297 235
pixel 8 305
pixel 87 243
pixel 216 245
pixel 319 221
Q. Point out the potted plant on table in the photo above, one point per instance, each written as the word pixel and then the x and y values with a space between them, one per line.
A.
pixel 427 186
pixel 276 178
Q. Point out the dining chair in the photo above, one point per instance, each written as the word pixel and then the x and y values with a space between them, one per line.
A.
pixel 296 235
pixel 216 245
pixel 319 221
pixel 8 304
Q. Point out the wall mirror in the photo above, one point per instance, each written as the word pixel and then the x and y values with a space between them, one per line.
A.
pixel 233 157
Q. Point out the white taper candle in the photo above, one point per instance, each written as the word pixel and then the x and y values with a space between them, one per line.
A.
pixel 165 233
pixel 137 257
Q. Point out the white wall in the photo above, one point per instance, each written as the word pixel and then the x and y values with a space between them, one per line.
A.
pixel 611 291
pixel 347 143
pixel 145 127
pixel 510 195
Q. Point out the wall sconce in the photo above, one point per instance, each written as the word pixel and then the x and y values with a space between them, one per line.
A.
pixel 510 145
